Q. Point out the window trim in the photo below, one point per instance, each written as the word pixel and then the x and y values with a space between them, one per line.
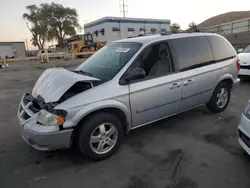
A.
pixel 197 65
pixel 173 65
pixel 223 59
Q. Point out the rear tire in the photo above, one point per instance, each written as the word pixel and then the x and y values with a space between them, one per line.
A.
pixel 99 137
pixel 220 98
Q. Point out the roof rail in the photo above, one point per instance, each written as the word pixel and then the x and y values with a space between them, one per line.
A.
pixel 152 33
pixel 166 33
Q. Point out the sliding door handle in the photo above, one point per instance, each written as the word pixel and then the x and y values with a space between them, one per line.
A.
pixel 175 85
pixel 188 82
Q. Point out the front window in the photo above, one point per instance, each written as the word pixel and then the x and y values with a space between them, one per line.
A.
pixel 246 50
pixel 109 60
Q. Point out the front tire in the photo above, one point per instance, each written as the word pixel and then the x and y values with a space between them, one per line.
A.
pixel 220 98
pixel 99 137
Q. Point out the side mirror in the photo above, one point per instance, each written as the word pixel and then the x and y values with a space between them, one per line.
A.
pixel 137 73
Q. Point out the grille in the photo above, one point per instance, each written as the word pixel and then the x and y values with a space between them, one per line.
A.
pixel 26 116
pixel 27 108
pixel 244 138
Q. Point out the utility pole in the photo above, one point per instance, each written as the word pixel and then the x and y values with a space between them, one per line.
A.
pixel 27 47
pixel 123 8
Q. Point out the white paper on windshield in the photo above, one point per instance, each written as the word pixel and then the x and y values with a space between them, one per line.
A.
pixel 123 50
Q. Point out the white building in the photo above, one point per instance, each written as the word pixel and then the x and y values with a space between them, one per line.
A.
pixel 114 28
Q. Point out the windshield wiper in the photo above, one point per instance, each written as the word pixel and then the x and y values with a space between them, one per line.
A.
pixel 83 72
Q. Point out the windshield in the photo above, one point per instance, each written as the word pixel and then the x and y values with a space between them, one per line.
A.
pixel 109 60
pixel 246 50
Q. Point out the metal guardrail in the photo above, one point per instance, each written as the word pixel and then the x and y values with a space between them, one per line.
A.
pixel 46 57
pixel 232 27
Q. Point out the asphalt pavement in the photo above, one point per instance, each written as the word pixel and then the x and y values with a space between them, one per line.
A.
pixel 195 149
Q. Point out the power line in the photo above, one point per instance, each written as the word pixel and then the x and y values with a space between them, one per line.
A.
pixel 123 8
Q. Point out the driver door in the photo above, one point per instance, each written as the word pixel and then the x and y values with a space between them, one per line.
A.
pixel 155 96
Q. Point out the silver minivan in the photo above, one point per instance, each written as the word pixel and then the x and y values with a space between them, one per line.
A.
pixel 126 85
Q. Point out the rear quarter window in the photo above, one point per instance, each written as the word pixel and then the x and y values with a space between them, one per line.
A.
pixel 191 52
pixel 221 48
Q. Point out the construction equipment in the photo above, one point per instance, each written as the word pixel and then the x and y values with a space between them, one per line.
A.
pixel 86 45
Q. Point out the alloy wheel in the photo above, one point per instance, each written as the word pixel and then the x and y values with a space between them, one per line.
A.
pixel 222 97
pixel 103 138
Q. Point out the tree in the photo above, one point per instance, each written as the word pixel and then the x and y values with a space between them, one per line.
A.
pixel 62 21
pixel 175 28
pixel 37 25
pixel 193 27
pixel 50 21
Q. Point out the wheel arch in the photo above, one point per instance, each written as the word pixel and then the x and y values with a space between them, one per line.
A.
pixel 227 78
pixel 114 107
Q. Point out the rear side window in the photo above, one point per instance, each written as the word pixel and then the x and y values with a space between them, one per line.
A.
pixel 221 48
pixel 192 52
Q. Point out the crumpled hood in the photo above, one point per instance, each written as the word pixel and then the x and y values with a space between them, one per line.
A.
pixel 54 82
pixel 244 58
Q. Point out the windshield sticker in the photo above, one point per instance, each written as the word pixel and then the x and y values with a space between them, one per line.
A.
pixel 123 50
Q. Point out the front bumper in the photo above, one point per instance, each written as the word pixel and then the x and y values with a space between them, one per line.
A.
pixel 41 137
pixel 46 141
pixel 244 133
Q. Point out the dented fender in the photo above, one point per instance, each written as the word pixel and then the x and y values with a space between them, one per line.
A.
pixel 85 110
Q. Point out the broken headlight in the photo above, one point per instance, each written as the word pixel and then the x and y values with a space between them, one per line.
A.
pixel 47 118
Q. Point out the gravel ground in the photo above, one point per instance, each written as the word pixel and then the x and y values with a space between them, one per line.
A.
pixel 193 149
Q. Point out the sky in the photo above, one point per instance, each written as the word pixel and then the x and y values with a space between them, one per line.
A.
pixel 183 12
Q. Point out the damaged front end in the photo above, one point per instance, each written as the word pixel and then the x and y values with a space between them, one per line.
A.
pixel 41 136
pixel 30 106
pixel 42 123
pixel 52 88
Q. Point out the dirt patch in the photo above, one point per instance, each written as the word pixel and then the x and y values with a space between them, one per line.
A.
pixel 216 139
pixel 137 142
pixel 172 156
pixel 183 182
pixel 164 171
pixel 143 182
pixel 221 139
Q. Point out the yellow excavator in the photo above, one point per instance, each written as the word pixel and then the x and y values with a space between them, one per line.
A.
pixel 86 45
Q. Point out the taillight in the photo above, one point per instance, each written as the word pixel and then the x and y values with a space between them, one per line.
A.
pixel 238 64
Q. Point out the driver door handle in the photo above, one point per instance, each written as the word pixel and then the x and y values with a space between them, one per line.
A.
pixel 175 85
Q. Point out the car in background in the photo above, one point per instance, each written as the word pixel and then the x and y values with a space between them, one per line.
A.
pixel 50 53
pixel 244 57
pixel 244 129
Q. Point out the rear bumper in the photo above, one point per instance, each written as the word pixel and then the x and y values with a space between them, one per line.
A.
pixel 244 133
pixel 236 83
pixel 244 72
pixel 46 141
